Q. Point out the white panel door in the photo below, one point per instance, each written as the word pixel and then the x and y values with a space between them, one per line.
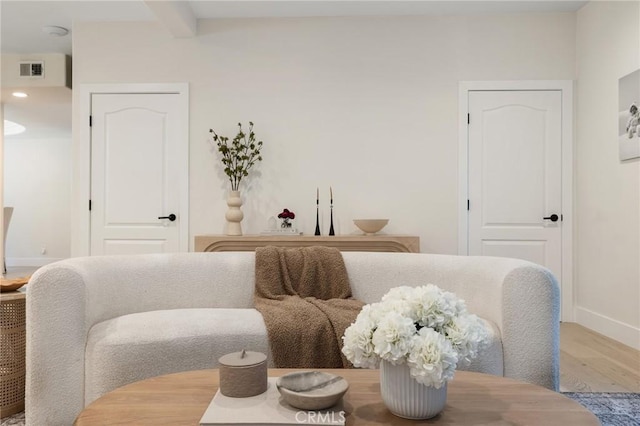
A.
pixel 136 173
pixel 515 198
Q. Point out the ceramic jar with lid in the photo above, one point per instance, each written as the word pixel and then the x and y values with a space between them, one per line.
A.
pixel 243 374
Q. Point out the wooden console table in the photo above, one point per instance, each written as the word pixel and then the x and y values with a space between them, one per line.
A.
pixel 383 243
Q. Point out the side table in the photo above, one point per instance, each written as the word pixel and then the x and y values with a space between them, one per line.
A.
pixel 12 351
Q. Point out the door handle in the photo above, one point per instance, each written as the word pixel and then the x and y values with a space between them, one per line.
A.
pixel 553 218
pixel 171 217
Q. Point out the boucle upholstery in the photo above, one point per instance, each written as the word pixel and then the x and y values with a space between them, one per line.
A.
pixel 167 341
pixel 96 323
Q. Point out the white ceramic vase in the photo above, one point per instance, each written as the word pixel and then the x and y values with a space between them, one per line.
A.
pixel 407 398
pixel 234 215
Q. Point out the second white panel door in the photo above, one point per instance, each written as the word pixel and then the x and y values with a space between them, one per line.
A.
pixel 515 160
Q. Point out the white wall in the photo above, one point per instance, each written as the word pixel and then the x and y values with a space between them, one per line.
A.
pixel 37 184
pixel 607 190
pixel 366 105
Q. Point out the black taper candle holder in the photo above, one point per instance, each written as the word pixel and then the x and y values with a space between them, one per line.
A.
pixel 317 217
pixel 331 231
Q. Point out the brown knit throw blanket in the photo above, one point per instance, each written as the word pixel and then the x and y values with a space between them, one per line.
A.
pixel 305 299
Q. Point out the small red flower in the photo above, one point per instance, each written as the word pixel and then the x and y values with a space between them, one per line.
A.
pixel 286 214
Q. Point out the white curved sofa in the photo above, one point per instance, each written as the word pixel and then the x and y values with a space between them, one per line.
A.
pixel 97 323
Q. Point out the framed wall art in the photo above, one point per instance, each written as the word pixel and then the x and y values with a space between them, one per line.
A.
pixel 629 116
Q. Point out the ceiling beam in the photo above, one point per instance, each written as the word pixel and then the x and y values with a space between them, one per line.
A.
pixel 176 16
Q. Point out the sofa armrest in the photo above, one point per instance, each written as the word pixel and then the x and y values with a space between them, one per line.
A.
pixel 56 338
pixel 531 326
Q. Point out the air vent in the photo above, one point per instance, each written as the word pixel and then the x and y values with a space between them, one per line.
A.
pixel 22 71
pixel 32 69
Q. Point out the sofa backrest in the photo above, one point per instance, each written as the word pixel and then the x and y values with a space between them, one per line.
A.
pixel 119 285
pixel 112 286
pixel 477 280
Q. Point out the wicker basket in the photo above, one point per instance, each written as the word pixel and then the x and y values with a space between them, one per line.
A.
pixel 12 354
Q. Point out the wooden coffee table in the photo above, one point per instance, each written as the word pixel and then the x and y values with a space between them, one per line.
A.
pixel 473 398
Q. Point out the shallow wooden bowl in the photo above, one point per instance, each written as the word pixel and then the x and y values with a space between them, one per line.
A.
pixel 13 284
pixel 370 226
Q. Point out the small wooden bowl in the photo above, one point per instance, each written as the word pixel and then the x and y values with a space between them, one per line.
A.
pixel 12 285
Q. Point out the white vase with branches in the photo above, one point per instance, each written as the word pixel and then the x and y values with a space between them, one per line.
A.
pixel 238 156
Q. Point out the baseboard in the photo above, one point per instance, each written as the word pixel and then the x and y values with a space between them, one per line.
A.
pixel 30 261
pixel 614 329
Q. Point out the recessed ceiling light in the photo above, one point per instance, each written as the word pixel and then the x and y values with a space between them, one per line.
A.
pixel 55 31
pixel 19 94
pixel 11 128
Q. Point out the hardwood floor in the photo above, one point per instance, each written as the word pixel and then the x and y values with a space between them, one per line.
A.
pixel 591 362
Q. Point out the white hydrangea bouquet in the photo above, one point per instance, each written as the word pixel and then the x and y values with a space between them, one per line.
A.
pixel 424 327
